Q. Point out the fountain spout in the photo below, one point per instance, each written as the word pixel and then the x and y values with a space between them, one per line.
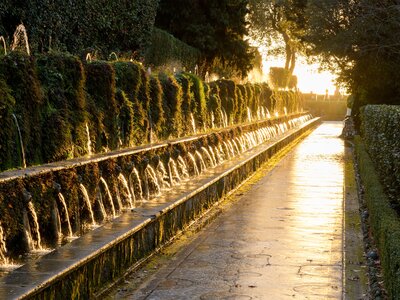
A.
pixel 20 33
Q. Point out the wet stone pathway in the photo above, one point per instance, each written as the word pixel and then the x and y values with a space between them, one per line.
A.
pixel 281 240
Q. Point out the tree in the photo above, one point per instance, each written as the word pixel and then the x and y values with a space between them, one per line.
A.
pixel 360 41
pixel 216 28
pixel 279 24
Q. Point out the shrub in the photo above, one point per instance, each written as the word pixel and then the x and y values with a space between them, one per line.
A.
pixel 20 75
pixel 172 102
pixel 100 86
pixel 385 223
pixel 166 50
pixel 380 131
pixel 156 106
pixel 64 116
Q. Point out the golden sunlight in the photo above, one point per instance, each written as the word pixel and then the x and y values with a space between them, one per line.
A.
pixel 310 79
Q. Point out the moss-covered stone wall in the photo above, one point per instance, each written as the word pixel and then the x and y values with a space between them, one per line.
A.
pixel 67 108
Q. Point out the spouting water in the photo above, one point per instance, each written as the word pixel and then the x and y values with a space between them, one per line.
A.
pixel 89 142
pixel 183 168
pixel 21 143
pixel 89 57
pixel 3 248
pixel 87 202
pixel 276 114
pixel 125 184
pixel 212 120
pixel 4 44
pixel 173 171
pixel 193 160
pixel 101 205
pixel 62 200
pixel 109 196
pixel 202 163
pixel 20 33
pixel 225 117
pixel 57 218
pixel 285 110
pixel 113 55
pixel 209 157
pixel 36 229
pixel 193 124
pixel 152 179
pixel 134 181
pixel 163 176
pixel 249 117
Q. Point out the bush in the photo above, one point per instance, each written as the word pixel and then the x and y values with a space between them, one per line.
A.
pixel 156 106
pixel 20 75
pixel 75 26
pixel 380 131
pixel 64 133
pixel 172 105
pixel 128 77
pixel 385 223
pixel 101 87
pixel 166 50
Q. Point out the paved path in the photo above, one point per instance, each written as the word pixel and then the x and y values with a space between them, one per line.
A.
pixel 281 240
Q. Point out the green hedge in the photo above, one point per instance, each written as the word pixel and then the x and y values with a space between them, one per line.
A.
pixel 61 104
pixel 380 130
pixel 166 50
pixel 77 26
pixel 385 223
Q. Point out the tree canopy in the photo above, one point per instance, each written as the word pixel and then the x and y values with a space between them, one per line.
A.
pixel 359 39
pixel 278 26
pixel 216 28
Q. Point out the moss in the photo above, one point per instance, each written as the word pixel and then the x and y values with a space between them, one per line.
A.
pixel 156 106
pixel 129 81
pixel 198 105
pixel 64 115
pixel 101 87
pixel 144 101
pixel 126 125
pixel 188 102
pixel 172 102
pixel 10 154
pixel 20 74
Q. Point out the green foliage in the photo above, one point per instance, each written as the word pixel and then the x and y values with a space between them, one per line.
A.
pixel 281 78
pixel 228 97
pixel 103 109
pixel 385 223
pixel 172 105
pixel 20 75
pixel 128 77
pixel 156 106
pixel 198 106
pixel 188 102
pixel 213 100
pixel 345 35
pixel 8 133
pixel 216 28
pixel 64 117
pixel 126 120
pixel 122 25
pixel 380 131
pixel 166 50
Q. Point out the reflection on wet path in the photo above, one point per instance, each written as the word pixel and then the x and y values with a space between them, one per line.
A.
pixel 281 240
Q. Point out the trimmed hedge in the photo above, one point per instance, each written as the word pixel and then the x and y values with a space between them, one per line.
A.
pixel 380 130
pixel 166 50
pixel 61 102
pixel 385 223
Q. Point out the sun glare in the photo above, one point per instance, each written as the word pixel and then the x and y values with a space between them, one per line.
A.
pixel 309 79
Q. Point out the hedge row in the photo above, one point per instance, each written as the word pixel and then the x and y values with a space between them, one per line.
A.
pixel 380 130
pixel 167 51
pixel 58 101
pixel 384 221
pixel 77 26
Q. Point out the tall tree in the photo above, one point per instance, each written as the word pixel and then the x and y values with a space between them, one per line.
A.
pixel 359 39
pixel 277 25
pixel 216 28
